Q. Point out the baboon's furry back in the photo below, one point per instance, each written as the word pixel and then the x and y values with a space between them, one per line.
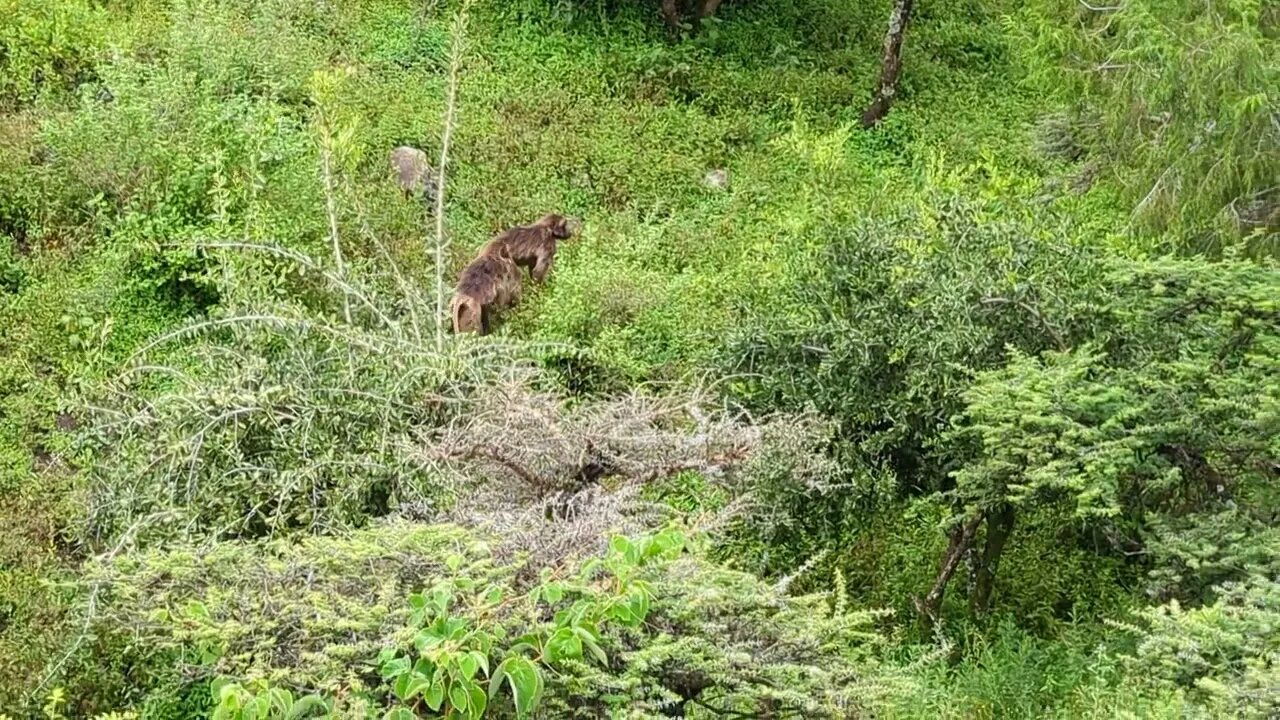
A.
pixel 488 283
pixel 534 246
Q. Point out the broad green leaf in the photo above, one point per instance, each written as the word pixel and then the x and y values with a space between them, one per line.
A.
pixel 308 706
pixel 526 685
pixel 619 545
pixel 495 680
pixel 280 700
pixel 395 668
pixel 589 642
pixel 482 660
pixel 435 693
pixel 227 691
pixel 468 666
pixel 478 700
pixel 552 592
pixel 419 685
pixel 399 714
pixel 459 698
pixel 424 667
pixel 402 685
pixel 426 640
pixel 216 685
pixel 525 644
pixel 639 603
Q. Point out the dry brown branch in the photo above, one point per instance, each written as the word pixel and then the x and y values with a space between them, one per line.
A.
pixel 554 476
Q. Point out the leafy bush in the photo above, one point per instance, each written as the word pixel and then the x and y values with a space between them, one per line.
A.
pixel 644 628
pixel 1224 654
pixel 1176 110
pixel 48 47
pixel 1196 553
pixel 897 314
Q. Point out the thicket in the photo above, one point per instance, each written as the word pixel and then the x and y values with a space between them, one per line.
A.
pixel 1176 104
pixel 940 419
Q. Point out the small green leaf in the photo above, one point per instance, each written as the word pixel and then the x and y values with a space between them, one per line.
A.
pixel 552 592
pixel 307 706
pixel 459 698
pixel 589 568
pixel 395 668
pixel 468 666
pixel 638 550
pixel 482 660
pixel 495 680
pixel 402 685
pixel 589 642
pixel 526 685
pixel 399 714
pixel 435 694
pixel 478 700
pixel 619 545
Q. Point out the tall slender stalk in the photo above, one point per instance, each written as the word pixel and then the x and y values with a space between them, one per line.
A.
pixel 331 208
pixel 450 115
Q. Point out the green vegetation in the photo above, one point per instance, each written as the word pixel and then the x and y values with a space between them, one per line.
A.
pixel 975 413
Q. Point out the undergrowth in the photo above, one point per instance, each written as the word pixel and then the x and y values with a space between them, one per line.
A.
pixel 223 374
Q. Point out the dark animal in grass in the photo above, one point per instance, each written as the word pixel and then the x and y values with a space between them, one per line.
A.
pixel 414 174
pixel 534 246
pixel 490 283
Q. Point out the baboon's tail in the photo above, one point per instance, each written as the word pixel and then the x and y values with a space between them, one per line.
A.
pixel 466 314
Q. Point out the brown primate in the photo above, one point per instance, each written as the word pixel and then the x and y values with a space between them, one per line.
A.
pixel 534 246
pixel 414 174
pixel 489 283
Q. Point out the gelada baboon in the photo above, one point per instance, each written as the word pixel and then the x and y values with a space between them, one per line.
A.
pixel 489 283
pixel 534 246
pixel 414 173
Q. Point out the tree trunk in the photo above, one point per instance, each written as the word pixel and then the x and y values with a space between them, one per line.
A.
pixel 999 526
pixel 890 64
pixel 961 540
pixel 706 9
pixel 671 15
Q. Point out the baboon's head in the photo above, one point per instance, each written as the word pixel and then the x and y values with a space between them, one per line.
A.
pixel 560 226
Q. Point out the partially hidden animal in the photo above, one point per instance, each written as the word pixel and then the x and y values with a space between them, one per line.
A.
pixel 414 173
pixel 489 283
pixel 534 246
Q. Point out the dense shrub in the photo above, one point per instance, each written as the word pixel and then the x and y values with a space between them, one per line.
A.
pixel 1172 102
pixel 711 638
pixel 1224 654
pixel 937 340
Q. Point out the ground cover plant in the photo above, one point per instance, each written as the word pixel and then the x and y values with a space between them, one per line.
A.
pixel 969 410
